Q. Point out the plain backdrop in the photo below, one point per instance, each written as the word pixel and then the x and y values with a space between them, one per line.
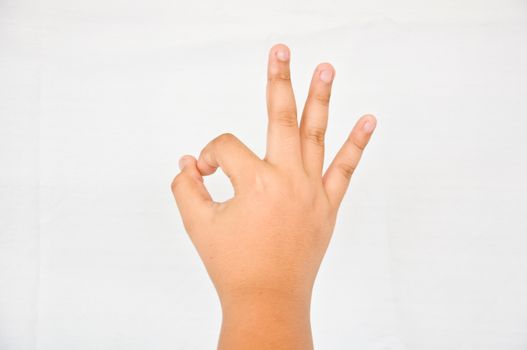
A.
pixel 100 98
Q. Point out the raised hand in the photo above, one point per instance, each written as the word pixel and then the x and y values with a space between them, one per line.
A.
pixel 263 247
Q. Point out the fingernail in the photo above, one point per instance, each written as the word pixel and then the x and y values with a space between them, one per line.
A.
pixel 183 162
pixel 368 126
pixel 282 55
pixel 326 75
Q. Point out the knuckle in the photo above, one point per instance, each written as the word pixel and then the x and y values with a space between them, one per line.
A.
pixel 225 138
pixel 286 117
pixel 322 98
pixel 356 144
pixel 279 77
pixel 316 136
pixel 346 169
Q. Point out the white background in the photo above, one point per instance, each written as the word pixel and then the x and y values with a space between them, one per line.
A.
pixel 99 99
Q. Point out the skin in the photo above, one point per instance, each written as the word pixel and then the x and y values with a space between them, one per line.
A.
pixel 263 247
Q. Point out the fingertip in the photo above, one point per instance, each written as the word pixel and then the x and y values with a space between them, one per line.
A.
pixel 368 123
pixel 188 164
pixel 281 52
pixel 185 160
pixel 325 72
pixel 325 65
pixel 204 167
pixel 369 117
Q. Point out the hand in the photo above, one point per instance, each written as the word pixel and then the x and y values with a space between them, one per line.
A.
pixel 263 247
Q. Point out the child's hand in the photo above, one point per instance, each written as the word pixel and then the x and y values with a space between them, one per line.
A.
pixel 263 247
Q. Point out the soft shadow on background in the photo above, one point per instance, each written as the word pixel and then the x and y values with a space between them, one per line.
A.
pixel 98 99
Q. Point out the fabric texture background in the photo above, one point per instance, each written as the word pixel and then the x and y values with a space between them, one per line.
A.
pixel 98 99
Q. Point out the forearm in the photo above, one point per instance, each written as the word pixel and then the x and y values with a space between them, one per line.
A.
pixel 266 322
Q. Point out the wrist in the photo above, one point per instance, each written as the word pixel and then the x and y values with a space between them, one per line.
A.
pixel 266 318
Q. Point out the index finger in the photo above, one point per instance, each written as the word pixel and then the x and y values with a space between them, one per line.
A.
pixel 237 161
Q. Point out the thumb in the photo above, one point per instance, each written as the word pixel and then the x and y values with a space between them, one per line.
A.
pixel 192 198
